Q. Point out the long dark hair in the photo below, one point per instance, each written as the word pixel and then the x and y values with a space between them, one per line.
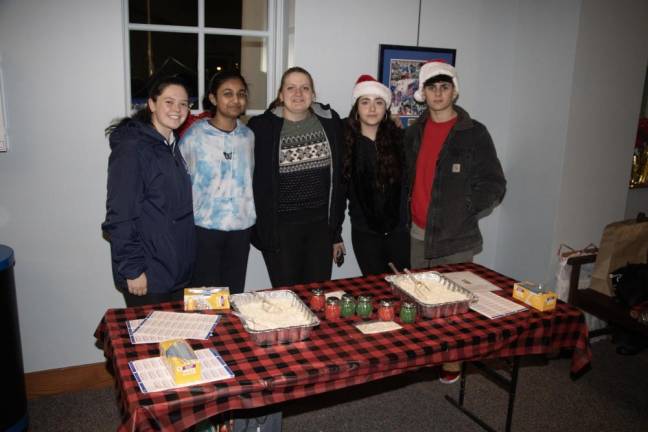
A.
pixel 144 114
pixel 277 102
pixel 388 148
pixel 214 84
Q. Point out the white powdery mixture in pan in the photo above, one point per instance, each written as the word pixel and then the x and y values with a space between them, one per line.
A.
pixel 279 313
pixel 434 292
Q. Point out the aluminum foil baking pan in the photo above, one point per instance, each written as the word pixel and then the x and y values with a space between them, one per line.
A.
pixel 433 310
pixel 280 335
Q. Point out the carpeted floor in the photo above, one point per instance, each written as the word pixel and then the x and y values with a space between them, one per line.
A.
pixel 612 396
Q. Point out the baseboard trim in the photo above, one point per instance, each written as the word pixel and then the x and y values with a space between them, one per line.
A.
pixel 67 380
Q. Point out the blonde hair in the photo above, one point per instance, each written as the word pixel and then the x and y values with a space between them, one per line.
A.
pixel 295 69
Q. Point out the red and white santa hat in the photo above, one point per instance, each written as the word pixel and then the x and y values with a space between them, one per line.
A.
pixel 432 69
pixel 367 85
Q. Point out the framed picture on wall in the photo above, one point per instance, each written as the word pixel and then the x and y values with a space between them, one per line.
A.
pixel 398 69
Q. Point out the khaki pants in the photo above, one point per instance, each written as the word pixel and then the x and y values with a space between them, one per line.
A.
pixel 418 261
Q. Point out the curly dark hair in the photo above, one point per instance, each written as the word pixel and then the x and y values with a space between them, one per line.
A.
pixel 388 148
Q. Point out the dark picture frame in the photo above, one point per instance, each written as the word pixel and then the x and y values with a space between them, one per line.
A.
pixel 398 69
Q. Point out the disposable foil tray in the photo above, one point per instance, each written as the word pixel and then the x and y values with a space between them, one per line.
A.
pixel 433 310
pixel 278 335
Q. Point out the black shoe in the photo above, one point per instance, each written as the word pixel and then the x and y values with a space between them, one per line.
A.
pixel 628 350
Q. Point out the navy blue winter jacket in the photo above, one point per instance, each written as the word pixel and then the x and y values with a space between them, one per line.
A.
pixel 149 213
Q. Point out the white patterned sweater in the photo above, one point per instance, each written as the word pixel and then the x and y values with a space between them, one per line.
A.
pixel 220 165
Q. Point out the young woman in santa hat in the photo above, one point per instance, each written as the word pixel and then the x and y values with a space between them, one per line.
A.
pixel 373 173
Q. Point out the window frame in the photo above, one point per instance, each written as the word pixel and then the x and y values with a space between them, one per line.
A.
pixel 275 37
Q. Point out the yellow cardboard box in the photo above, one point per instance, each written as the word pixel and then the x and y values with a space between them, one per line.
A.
pixel 533 295
pixel 207 298
pixel 181 361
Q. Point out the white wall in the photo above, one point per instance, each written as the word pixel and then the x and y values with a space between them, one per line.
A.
pixel 481 32
pixel 64 78
pixel 529 70
pixel 543 61
pixel 637 202
pixel 606 92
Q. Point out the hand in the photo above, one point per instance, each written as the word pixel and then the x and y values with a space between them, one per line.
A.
pixel 138 285
pixel 396 119
pixel 338 253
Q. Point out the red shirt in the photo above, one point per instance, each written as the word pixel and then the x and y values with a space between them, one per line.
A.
pixel 434 135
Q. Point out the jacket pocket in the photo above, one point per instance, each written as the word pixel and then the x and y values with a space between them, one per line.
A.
pixel 182 215
pixel 163 264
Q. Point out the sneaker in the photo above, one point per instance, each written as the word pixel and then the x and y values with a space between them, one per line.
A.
pixel 449 377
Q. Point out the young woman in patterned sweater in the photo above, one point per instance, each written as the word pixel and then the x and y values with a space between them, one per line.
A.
pixel 296 183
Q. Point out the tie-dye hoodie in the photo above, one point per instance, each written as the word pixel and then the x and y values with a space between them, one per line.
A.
pixel 221 165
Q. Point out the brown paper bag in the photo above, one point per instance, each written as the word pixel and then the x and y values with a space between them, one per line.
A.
pixel 622 243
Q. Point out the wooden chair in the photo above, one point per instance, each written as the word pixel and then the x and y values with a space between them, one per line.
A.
pixel 600 305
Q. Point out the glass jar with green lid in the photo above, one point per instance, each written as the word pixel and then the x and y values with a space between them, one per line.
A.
pixel 348 306
pixel 364 307
pixel 408 312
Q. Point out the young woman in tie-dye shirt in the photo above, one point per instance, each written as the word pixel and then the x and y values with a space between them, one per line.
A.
pixel 219 152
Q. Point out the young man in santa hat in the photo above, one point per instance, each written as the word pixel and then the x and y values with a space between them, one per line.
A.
pixel 454 176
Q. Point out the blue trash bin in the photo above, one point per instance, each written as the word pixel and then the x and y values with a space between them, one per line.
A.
pixel 13 417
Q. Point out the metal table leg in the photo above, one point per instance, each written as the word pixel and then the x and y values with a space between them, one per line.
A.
pixel 508 383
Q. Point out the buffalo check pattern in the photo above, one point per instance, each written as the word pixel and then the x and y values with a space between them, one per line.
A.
pixel 335 356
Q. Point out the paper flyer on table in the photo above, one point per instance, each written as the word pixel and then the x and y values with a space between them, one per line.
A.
pixel 494 306
pixel 372 327
pixel 152 374
pixel 161 325
pixel 471 281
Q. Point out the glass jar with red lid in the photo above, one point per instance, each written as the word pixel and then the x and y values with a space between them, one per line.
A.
pixel 317 299
pixel 386 310
pixel 332 310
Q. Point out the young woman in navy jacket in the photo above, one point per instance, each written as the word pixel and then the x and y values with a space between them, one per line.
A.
pixel 149 214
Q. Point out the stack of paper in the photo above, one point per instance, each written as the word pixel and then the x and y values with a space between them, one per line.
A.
pixel 471 281
pixel 494 306
pixel 153 375
pixel 160 326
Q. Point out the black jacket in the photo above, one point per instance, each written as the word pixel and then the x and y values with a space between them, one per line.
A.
pixel 265 182
pixel 468 180
pixel 374 209
pixel 149 213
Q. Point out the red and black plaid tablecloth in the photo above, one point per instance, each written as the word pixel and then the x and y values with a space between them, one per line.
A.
pixel 337 355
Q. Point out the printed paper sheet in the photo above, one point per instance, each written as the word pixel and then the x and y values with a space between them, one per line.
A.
pixel 152 374
pixel 471 281
pixel 161 325
pixel 494 306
